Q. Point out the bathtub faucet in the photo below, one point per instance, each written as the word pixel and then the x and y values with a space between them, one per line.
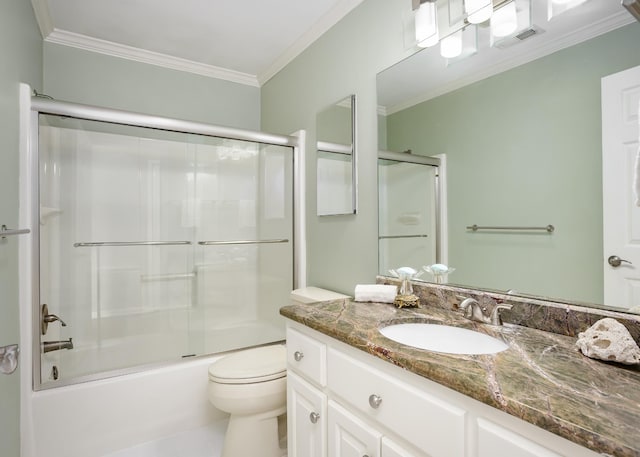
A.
pixel 48 346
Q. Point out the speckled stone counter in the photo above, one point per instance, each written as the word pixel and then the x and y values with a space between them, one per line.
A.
pixel 541 378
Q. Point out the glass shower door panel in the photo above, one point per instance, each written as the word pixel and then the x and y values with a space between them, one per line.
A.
pixel 116 256
pixel 407 215
pixel 244 195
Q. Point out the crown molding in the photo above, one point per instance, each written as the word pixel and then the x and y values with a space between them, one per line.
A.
pixel 86 43
pixel 570 39
pixel 43 17
pixel 331 18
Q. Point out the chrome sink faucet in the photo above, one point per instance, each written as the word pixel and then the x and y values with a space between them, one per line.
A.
pixel 475 312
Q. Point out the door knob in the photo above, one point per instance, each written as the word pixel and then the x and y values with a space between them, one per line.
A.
pixel 298 356
pixel 616 261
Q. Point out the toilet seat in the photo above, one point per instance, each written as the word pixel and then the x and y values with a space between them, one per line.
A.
pixel 250 366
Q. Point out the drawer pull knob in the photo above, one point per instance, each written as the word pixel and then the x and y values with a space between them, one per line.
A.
pixel 374 401
pixel 298 356
pixel 313 417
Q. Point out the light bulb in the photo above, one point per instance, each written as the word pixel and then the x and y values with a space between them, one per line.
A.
pixel 478 11
pixel 427 25
pixel 451 46
pixel 504 20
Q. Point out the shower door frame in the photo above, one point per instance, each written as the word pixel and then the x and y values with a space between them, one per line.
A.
pixel 41 105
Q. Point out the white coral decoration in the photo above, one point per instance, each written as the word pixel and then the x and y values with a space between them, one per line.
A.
pixel 609 340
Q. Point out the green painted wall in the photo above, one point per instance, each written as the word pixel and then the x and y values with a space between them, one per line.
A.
pixel 91 78
pixel 21 51
pixel 342 250
pixel 524 148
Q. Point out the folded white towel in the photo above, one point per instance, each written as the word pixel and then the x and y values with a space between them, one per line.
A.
pixel 379 293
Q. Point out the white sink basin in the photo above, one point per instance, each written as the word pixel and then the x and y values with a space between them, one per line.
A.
pixel 443 338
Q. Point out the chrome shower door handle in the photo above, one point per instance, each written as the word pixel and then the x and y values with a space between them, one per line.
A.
pixel 616 261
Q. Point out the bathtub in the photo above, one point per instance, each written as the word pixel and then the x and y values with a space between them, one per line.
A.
pixel 99 417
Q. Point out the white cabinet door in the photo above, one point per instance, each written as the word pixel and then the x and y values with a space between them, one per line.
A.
pixel 496 441
pixel 391 449
pixel 349 436
pixel 306 419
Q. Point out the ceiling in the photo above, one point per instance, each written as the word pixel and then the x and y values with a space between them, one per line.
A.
pixel 243 41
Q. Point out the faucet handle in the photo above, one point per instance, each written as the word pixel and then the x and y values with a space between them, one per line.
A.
pixel 46 319
pixel 496 318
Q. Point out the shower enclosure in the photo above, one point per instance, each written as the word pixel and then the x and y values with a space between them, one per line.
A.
pixel 157 240
pixel 409 211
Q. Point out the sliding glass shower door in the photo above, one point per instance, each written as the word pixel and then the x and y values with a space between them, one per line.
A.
pixel 157 245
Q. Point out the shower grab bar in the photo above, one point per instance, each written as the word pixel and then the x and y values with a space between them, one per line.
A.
pixel 130 243
pixel 221 243
pixel 549 228
pixel 5 232
pixel 167 277
pixel 386 237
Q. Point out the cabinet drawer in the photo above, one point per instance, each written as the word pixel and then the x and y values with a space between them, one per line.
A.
pixel 495 440
pixel 432 425
pixel 307 356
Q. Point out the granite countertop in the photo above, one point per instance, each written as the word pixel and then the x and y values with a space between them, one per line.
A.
pixel 541 378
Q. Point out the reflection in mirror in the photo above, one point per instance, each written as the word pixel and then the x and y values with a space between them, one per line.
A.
pixel 522 130
pixel 409 223
pixel 336 159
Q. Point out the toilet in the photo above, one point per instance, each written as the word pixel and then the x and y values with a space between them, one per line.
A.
pixel 251 385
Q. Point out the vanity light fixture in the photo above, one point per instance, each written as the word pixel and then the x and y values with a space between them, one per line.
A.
pixel 633 6
pixel 478 11
pixel 504 21
pixel 453 17
pixel 451 46
pixel 427 25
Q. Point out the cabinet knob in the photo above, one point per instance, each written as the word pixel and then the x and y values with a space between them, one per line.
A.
pixel 374 401
pixel 313 417
pixel 298 356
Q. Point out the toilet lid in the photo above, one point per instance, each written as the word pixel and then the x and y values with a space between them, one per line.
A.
pixel 250 366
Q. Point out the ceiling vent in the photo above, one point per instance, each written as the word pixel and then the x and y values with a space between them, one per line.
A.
pixel 527 33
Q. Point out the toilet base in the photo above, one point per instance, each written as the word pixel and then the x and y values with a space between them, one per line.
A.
pixel 253 435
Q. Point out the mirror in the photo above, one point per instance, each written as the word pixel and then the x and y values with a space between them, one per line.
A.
pixel 521 128
pixel 336 159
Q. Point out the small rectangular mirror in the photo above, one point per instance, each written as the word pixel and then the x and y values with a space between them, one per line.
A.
pixel 336 159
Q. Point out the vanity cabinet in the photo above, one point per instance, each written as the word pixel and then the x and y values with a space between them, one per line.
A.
pixel 343 402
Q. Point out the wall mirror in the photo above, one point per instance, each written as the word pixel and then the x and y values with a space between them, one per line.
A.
pixel 521 126
pixel 336 159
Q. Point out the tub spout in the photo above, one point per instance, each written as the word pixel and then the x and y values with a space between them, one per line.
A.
pixel 48 346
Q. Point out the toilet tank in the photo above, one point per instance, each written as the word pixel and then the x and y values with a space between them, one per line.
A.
pixel 314 294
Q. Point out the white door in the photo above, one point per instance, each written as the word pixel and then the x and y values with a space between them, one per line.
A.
pixel 621 229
